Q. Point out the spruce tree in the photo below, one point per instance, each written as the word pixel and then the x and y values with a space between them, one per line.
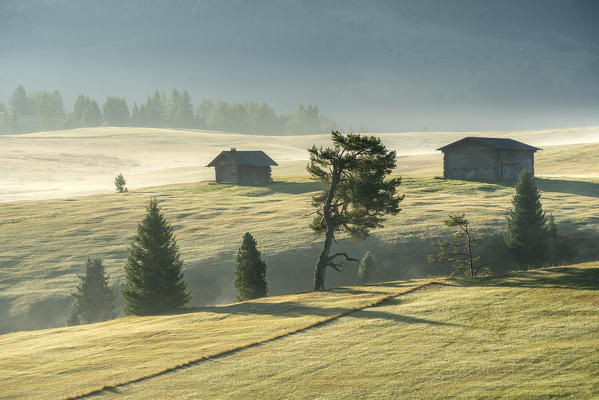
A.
pixel 94 299
pixel 155 283
pixel 250 271
pixel 366 268
pixel 527 235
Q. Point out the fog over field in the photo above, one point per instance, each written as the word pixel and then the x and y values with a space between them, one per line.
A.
pixel 363 262
pixel 389 65
pixel 84 161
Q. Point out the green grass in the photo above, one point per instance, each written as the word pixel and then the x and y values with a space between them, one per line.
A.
pixel 528 334
pixel 85 358
pixel 44 243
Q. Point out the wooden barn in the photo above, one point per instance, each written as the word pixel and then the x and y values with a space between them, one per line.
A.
pixel 491 159
pixel 243 167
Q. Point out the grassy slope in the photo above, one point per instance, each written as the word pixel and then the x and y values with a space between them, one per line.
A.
pixel 45 243
pixel 527 334
pixel 85 358
pixel 532 335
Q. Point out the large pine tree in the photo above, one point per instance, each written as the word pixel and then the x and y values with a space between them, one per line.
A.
pixel 250 271
pixel 527 234
pixel 155 283
pixel 359 193
pixel 94 299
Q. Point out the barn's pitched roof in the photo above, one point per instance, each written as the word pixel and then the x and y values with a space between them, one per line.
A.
pixel 255 158
pixel 496 143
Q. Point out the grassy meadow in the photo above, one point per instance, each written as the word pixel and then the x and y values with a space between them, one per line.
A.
pixel 61 164
pixel 45 242
pixel 532 334
pixel 527 334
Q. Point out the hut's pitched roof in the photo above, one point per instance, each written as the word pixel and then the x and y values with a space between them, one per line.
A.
pixel 496 143
pixel 255 158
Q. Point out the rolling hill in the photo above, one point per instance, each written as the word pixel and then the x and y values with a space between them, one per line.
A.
pixel 531 334
pixel 60 164
pixel 45 242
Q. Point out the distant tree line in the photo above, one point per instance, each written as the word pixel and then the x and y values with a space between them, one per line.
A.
pixel 35 111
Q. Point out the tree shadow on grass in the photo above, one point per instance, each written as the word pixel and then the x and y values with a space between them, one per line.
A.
pixel 554 278
pixel 288 187
pixel 292 309
pixel 578 188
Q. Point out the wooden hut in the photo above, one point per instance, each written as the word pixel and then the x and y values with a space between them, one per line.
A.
pixel 243 167
pixel 490 159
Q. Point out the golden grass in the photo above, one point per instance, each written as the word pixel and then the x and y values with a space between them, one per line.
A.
pixel 523 335
pixel 528 335
pixel 45 243
pixel 58 363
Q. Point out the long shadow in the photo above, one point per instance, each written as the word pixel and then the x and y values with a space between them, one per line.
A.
pixel 555 278
pixel 294 309
pixel 401 318
pixel 575 187
pixel 578 188
pixel 288 187
pixel 288 309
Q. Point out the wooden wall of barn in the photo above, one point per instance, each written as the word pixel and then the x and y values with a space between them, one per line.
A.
pixel 253 175
pixel 470 160
pixel 226 171
pixel 512 162
pixel 476 161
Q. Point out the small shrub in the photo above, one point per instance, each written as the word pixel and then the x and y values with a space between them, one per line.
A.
pixel 119 184
pixel 366 268
pixel 460 251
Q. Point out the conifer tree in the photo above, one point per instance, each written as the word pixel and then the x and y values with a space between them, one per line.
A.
pixel 250 271
pixel 358 193
pixel 135 115
pixel 116 111
pixel 155 283
pixel 527 234
pixel 94 299
pixel 366 268
pixel 120 184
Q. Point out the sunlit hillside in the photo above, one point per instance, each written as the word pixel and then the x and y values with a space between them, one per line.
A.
pixel 45 243
pixel 528 334
pixel 83 161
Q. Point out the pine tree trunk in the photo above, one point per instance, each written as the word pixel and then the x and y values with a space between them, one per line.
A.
pixel 321 265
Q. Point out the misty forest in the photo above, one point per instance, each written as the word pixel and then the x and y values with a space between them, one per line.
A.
pixel 299 199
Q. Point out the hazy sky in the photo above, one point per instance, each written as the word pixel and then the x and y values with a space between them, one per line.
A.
pixel 390 65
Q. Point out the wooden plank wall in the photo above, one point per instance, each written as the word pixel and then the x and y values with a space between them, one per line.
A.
pixel 470 161
pixel 226 172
